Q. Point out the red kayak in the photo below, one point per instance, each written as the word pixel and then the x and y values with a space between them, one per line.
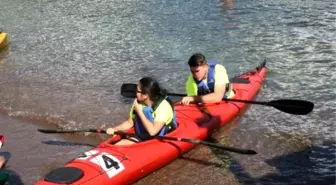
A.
pixel 108 164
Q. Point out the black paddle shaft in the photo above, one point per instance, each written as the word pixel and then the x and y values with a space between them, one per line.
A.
pixel 194 141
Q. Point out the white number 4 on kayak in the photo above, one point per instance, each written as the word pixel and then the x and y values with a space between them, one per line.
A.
pixel 110 164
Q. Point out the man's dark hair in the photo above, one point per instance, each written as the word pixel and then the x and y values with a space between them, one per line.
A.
pixel 197 60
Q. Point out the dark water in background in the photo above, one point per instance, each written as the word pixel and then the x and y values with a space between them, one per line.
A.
pixel 67 60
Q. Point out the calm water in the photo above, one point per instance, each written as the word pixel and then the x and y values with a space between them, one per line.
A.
pixel 67 60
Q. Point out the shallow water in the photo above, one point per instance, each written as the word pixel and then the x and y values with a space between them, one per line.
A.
pixel 67 60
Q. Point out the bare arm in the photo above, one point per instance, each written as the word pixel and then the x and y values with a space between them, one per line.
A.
pixel 125 125
pixel 152 128
pixel 220 87
pixel 2 161
pixel 214 97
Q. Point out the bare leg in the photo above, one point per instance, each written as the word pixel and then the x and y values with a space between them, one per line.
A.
pixel 127 141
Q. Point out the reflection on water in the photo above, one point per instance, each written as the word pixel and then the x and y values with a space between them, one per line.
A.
pixel 227 3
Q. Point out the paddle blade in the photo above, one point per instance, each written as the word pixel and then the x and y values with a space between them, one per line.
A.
pixel 128 90
pixel 298 107
pixel 47 131
pixel 231 149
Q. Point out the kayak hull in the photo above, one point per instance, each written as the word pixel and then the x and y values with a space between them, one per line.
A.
pixel 108 164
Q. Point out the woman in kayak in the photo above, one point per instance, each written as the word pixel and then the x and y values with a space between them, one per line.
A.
pixel 152 113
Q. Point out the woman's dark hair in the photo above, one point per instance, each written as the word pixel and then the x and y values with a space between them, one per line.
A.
pixel 197 60
pixel 151 87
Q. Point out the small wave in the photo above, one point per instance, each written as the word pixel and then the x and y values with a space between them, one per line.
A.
pixel 37 118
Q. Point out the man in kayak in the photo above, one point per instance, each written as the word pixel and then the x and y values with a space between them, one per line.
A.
pixel 207 83
pixel 151 114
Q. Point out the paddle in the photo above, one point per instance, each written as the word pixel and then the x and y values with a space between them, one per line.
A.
pixel 298 107
pixel 50 131
pixel 194 141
